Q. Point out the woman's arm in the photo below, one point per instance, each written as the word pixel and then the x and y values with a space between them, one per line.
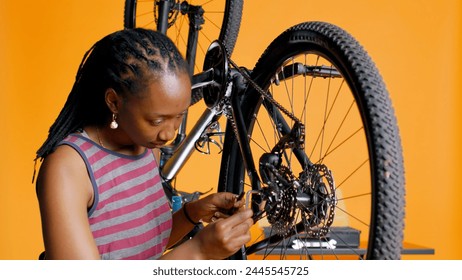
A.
pixel 64 192
pixel 180 227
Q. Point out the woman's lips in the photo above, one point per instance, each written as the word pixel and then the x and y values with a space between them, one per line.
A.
pixel 158 144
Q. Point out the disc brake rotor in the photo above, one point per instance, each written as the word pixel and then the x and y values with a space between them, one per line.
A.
pixel 319 210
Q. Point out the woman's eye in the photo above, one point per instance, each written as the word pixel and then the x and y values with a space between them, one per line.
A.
pixel 156 122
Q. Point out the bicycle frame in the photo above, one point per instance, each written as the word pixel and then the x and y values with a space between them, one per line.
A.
pixel 184 149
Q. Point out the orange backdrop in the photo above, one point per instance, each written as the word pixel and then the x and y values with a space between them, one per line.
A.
pixel 415 44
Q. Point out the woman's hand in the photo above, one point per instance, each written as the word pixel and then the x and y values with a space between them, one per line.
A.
pixel 213 207
pixel 227 230
pixel 224 237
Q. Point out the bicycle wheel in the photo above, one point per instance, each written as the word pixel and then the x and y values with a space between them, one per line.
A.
pixel 342 195
pixel 222 22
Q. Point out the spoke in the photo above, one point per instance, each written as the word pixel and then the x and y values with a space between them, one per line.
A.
pixel 353 249
pixel 148 13
pixel 289 98
pixel 272 118
pixel 263 135
pixel 268 249
pixel 300 216
pixel 323 130
pixel 293 87
pixel 340 126
pixel 321 133
pixel 288 159
pixel 291 101
pixel 179 36
pixel 340 144
pixel 148 24
pixel 354 196
pixel 352 173
pixel 352 216
pixel 205 3
pixel 258 145
pixel 306 94
pixel 208 20
pixel 209 41
pixel 271 247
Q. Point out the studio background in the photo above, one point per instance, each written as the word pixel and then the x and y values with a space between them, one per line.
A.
pixel 415 44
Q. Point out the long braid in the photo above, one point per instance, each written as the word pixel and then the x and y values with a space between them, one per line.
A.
pixel 122 60
pixel 66 121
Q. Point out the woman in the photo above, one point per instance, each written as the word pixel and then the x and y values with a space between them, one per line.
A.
pixel 99 188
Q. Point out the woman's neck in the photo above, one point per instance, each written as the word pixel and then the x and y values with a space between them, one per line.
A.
pixel 114 140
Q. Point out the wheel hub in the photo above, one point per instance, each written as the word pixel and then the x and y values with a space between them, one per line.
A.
pixel 310 199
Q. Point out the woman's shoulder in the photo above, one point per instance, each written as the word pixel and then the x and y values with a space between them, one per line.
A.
pixel 63 174
pixel 63 164
pixel 63 154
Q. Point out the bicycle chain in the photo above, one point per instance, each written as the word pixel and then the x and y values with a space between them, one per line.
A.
pixel 265 94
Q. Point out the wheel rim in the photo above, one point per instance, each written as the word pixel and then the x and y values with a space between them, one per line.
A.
pixel 334 137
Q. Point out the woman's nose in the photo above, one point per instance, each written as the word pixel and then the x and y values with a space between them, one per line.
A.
pixel 167 133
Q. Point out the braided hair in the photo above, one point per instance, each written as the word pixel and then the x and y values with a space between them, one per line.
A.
pixel 125 61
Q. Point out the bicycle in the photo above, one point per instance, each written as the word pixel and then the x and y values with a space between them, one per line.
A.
pixel 323 168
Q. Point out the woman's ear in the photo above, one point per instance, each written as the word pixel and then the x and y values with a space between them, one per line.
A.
pixel 113 100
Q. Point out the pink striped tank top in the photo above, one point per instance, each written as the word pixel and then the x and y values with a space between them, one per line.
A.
pixel 130 217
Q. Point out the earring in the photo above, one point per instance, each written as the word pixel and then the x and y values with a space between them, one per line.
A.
pixel 114 124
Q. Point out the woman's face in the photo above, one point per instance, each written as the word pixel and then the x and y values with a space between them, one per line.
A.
pixel 152 118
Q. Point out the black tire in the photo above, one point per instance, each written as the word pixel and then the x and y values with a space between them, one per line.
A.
pixel 350 128
pixel 222 22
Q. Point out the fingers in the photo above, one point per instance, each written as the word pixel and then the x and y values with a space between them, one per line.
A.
pixel 243 228
pixel 238 227
pixel 218 215
pixel 241 216
pixel 226 234
pixel 238 217
pixel 220 206
pixel 240 201
pixel 227 200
